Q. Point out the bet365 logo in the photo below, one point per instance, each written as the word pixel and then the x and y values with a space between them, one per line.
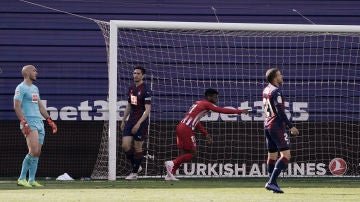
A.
pixel 337 166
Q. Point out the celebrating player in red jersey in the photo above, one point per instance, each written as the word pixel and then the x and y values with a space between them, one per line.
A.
pixel 184 131
pixel 277 139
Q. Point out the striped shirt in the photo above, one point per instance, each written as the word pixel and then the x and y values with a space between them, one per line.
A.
pixel 199 109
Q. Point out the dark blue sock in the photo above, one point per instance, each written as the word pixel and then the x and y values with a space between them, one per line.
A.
pixel 270 165
pixel 130 156
pixel 137 161
pixel 279 166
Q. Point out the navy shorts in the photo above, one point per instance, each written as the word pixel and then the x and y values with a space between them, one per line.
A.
pixel 140 135
pixel 277 139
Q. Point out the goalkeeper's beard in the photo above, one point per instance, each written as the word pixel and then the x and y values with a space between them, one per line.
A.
pixel 33 78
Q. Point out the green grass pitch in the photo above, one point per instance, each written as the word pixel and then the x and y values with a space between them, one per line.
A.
pixel 214 189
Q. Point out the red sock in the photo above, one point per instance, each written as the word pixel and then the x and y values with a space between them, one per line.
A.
pixel 181 159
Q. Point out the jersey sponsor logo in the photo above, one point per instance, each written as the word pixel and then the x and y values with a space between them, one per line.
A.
pixel 17 93
pixel 279 99
pixel 34 97
pixel 337 166
pixel 133 100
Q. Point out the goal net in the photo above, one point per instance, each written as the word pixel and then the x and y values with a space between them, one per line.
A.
pixel 320 64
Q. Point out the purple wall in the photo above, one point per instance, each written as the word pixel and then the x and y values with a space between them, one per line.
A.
pixel 71 57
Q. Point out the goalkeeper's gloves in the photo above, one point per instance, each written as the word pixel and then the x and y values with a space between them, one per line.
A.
pixel 52 125
pixel 25 128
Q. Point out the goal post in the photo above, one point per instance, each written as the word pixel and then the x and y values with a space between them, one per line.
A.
pixel 233 57
pixel 113 109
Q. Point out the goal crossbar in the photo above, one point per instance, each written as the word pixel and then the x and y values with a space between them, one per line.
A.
pixel 233 26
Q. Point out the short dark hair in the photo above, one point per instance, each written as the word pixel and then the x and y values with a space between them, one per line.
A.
pixel 141 68
pixel 210 92
pixel 271 74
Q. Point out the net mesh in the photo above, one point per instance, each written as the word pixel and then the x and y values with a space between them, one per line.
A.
pixel 321 88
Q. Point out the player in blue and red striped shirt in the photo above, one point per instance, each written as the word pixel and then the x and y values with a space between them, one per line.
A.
pixel 136 128
pixel 275 124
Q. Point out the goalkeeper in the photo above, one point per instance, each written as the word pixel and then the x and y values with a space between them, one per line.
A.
pixel 277 139
pixel 30 111
pixel 185 138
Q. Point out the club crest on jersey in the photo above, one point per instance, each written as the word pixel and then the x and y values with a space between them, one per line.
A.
pixel 35 97
pixel 279 99
pixel 17 93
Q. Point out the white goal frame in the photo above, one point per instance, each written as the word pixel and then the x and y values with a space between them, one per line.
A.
pixel 113 56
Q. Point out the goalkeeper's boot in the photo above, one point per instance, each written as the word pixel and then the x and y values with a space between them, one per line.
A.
pixel 23 183
pixel 171 178
pixel 169 166
pixel 35 184
pixel 274 188
pixel 132 176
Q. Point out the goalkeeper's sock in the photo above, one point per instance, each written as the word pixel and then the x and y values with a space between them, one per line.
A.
pixel 25 166
pixel 130 156
pixel 33 169
pixel 181 159
pixel 279 166
pixel 137 161
pixel 270 165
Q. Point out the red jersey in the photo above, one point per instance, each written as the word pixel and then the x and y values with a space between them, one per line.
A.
pixel 199 109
